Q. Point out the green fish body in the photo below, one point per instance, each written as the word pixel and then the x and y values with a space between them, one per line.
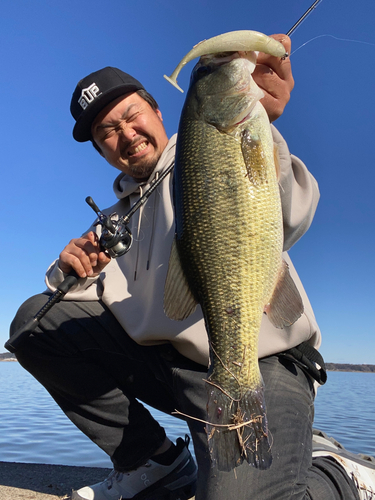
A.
pixel 227 254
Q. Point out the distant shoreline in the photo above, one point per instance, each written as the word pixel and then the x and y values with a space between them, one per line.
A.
pixel 347 367
pixel 331 367
pixel 7 356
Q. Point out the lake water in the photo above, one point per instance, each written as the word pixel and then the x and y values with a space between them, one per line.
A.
pixel 33 429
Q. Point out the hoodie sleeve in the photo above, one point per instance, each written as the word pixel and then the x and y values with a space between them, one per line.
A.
pixel 299 193
pixel 85 289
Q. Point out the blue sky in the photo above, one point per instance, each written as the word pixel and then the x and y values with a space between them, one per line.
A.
pixel 47 46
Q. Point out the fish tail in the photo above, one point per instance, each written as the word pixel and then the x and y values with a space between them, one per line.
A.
pixel 237 429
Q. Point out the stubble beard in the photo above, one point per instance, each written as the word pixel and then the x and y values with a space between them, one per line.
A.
pixel 143 170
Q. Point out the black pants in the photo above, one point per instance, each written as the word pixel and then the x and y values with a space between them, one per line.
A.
pixel 98 375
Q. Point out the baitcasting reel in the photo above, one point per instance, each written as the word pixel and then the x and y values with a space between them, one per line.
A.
pixel 116 238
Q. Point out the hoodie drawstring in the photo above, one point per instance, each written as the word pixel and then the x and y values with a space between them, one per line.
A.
pixel 153 226
pixel 138 233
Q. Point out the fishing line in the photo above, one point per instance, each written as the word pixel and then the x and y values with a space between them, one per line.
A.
pixel 336 38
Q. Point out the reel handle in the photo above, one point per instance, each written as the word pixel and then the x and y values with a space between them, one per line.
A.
pixel 92 204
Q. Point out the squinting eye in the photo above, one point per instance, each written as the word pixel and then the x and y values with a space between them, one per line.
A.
pixel 107 134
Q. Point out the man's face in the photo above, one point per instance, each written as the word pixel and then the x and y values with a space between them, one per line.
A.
pixel 131 135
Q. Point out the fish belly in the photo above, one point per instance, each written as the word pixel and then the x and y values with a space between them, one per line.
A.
pixel 229 239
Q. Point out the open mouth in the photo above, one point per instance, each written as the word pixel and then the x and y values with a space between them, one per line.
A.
pixel 138 148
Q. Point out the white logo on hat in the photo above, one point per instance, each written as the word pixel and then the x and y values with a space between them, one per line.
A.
pixel 88 95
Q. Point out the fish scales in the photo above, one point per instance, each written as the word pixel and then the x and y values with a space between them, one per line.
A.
pixel 229 239
pixel 227 218
pixel 231 247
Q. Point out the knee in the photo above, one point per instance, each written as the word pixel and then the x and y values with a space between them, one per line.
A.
pixel 27 311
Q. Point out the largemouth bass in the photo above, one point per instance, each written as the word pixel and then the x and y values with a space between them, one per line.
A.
pixel 227 254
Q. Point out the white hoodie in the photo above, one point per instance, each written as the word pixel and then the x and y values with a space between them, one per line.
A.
pixel 132 286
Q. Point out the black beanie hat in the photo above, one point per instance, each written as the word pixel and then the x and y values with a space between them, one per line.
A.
pixel 93 93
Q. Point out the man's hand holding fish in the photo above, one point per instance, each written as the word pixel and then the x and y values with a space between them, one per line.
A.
pixel 274 76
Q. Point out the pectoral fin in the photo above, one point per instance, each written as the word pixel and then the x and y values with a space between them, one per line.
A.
pixel 254 158
pixel 179 302
pixel 286 305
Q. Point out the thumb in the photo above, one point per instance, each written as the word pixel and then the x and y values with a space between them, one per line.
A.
pixel 103 260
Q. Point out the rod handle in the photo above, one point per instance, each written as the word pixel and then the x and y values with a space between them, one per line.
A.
pixel 25 330
pixel 70 280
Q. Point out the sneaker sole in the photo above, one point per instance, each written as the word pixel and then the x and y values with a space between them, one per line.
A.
pixel 171 487
pixel 157 492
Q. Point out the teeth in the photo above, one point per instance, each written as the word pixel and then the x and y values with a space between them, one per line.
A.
pixel 138 148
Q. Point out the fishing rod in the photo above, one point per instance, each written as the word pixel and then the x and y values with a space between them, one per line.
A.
pixel 302 18
pixel 116 240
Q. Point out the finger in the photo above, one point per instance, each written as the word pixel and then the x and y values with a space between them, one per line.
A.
pixel 92 247
pixel 103 260
pixel 92 237
pixel 81 254
pixel 270 82
pixel 281 66
pixel 285 40
pixel 69 261
pixel 98 258
pixel 274 107
pixel 276 92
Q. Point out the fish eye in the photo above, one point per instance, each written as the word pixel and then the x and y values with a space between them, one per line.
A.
pixel 203 70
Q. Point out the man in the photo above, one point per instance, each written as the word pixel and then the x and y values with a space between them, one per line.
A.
pixel 109 345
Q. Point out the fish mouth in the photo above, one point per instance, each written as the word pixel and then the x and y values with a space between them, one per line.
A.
pixel 239 87
pixel 227 56
pixel 241 66
pixel 219 58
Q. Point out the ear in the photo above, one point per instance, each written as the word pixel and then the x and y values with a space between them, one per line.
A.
pixel 158 112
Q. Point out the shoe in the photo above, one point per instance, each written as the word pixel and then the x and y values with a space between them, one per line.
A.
pixel 151 481
pixel 360 468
